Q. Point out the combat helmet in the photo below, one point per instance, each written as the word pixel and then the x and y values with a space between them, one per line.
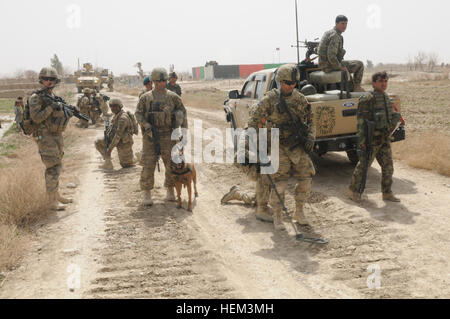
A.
pixel 87 91
pixel 288 72
pixel 49 72
pixel 159 74
pixel 116 102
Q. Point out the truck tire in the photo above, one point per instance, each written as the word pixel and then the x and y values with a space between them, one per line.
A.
pixel 353 156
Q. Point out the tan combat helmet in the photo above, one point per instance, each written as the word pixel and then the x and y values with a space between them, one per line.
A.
pixel 49 72
pixel 288 72
pixel 116 102
pixel 159 74
pixel 87 91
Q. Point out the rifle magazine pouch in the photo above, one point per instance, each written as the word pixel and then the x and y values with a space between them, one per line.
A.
pixel 380 119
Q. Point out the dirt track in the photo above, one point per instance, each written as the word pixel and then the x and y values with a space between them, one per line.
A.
pixel 125 250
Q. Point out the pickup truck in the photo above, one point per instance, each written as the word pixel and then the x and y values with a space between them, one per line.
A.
pixel 334 114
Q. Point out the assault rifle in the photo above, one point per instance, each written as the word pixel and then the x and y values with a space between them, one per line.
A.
pixel 369 128
pixel 68 110
pixel 155 107
pixel 106 135
pixel 300 131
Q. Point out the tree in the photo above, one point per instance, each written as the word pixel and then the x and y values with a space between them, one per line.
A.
pixel 419 60
pixel 56 63
pixel 432 61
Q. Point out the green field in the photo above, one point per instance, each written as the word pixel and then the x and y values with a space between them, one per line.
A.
pixel 7 106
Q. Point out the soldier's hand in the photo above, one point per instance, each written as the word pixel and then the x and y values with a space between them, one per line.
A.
pixel 147 127
pixel 309 145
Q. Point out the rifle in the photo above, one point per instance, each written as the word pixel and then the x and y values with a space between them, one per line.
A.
pixel 299 129
pixel 155 133
pixel 68 110
pixel 369 128
pixel 107 141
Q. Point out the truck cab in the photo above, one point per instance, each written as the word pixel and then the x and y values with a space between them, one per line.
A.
pixel 334 112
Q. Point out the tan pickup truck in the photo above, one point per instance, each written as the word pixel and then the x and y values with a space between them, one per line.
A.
pixel 334 115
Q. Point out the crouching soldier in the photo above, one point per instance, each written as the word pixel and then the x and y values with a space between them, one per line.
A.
pixel 84 104
pixel 118 134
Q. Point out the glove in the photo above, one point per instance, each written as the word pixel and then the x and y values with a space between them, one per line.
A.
pixel 57 106
pixel 309 145
pixel 147 127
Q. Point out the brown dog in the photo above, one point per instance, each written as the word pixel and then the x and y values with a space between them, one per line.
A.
pixel 184 174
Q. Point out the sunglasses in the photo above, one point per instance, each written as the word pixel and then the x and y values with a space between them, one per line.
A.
pixel 290 82
pixel 48 79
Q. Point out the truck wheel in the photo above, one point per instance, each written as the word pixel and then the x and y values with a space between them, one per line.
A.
pixel 353 156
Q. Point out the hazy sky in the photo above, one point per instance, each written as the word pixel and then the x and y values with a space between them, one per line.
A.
pixel 117 34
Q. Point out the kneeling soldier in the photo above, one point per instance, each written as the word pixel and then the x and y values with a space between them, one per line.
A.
pixel 120 135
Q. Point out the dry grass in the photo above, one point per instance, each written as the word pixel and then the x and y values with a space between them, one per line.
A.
pixel 128 90
pixel 210 98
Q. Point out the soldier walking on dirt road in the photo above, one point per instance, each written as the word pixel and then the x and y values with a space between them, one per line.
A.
pixel 155 113
pixel 51 121
pixel 292 157
pixel 376 107
pixel 172 85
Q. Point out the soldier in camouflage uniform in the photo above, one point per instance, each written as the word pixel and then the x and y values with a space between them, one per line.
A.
pixel 296 160
pixel 111 82
pixel 331 53
pixel 120 135
pixel 148 86
pixel 162 105
pixel 377 107
pixel 84 104
pixel 172 85
pixel 50 121
pixel 103 105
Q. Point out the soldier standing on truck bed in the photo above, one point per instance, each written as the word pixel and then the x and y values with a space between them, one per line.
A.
pixel 292 157
pixel 378 108
pixel 331 53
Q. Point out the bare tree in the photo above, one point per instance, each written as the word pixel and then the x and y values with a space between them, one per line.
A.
pixel 419 60
pixel 31 75
pixel 432 61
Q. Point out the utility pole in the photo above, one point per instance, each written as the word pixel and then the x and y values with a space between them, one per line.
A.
pixel 298 41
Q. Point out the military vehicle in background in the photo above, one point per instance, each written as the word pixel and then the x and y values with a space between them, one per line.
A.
pixel 87 78
pixel 104 77
pixel 334 109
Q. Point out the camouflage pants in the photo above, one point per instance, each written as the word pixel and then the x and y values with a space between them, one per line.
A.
pixel 302 168
pixel 149 161
pixel 81 123
pixel 93 115
pixel 125 151
pixel 51 151
pixel 356 68
pixel 383 153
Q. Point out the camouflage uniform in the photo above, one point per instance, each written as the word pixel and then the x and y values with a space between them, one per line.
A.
pixel 296 160
pixel 169 103
pixel 121 136
pixel 175 89
pixel 94 113
pixel 84 104
pixel 50 126
pixel 331 56
pixel 377 107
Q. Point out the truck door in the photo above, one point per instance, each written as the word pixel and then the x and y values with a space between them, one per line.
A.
pixel 241 111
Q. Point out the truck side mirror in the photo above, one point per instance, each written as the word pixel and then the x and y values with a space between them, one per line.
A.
pixel 234 95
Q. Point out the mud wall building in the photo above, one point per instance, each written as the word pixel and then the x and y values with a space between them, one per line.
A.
pixel 220 72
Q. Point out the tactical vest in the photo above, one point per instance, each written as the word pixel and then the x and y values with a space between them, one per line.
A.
pixel 56 123
pixel 381 111
pixel 115 125
pixel 160 110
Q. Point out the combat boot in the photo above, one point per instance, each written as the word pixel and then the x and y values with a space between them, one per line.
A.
pixel 170 197
pixel 147 199
pixel 358 88
pixel 232 194
pixel 299 216
pixel 278 221
pixel 63 200
pixel 108 165
pixel 53 202
pixel 354 196
pixel 263 214
pixel 390 197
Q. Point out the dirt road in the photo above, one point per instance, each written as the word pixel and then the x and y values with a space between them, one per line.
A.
pixel 116 248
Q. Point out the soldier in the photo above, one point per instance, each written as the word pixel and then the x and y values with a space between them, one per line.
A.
pixel 159 107
pixel 84 104
pixel 270 111
pixel 148 86
pixel 172 85
pixel 120 135
pixel 95 107
pixel 111 82
pixel 101 100
pixel 331 53
pixel 377 107
pixel 18 111
pixel 50 121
